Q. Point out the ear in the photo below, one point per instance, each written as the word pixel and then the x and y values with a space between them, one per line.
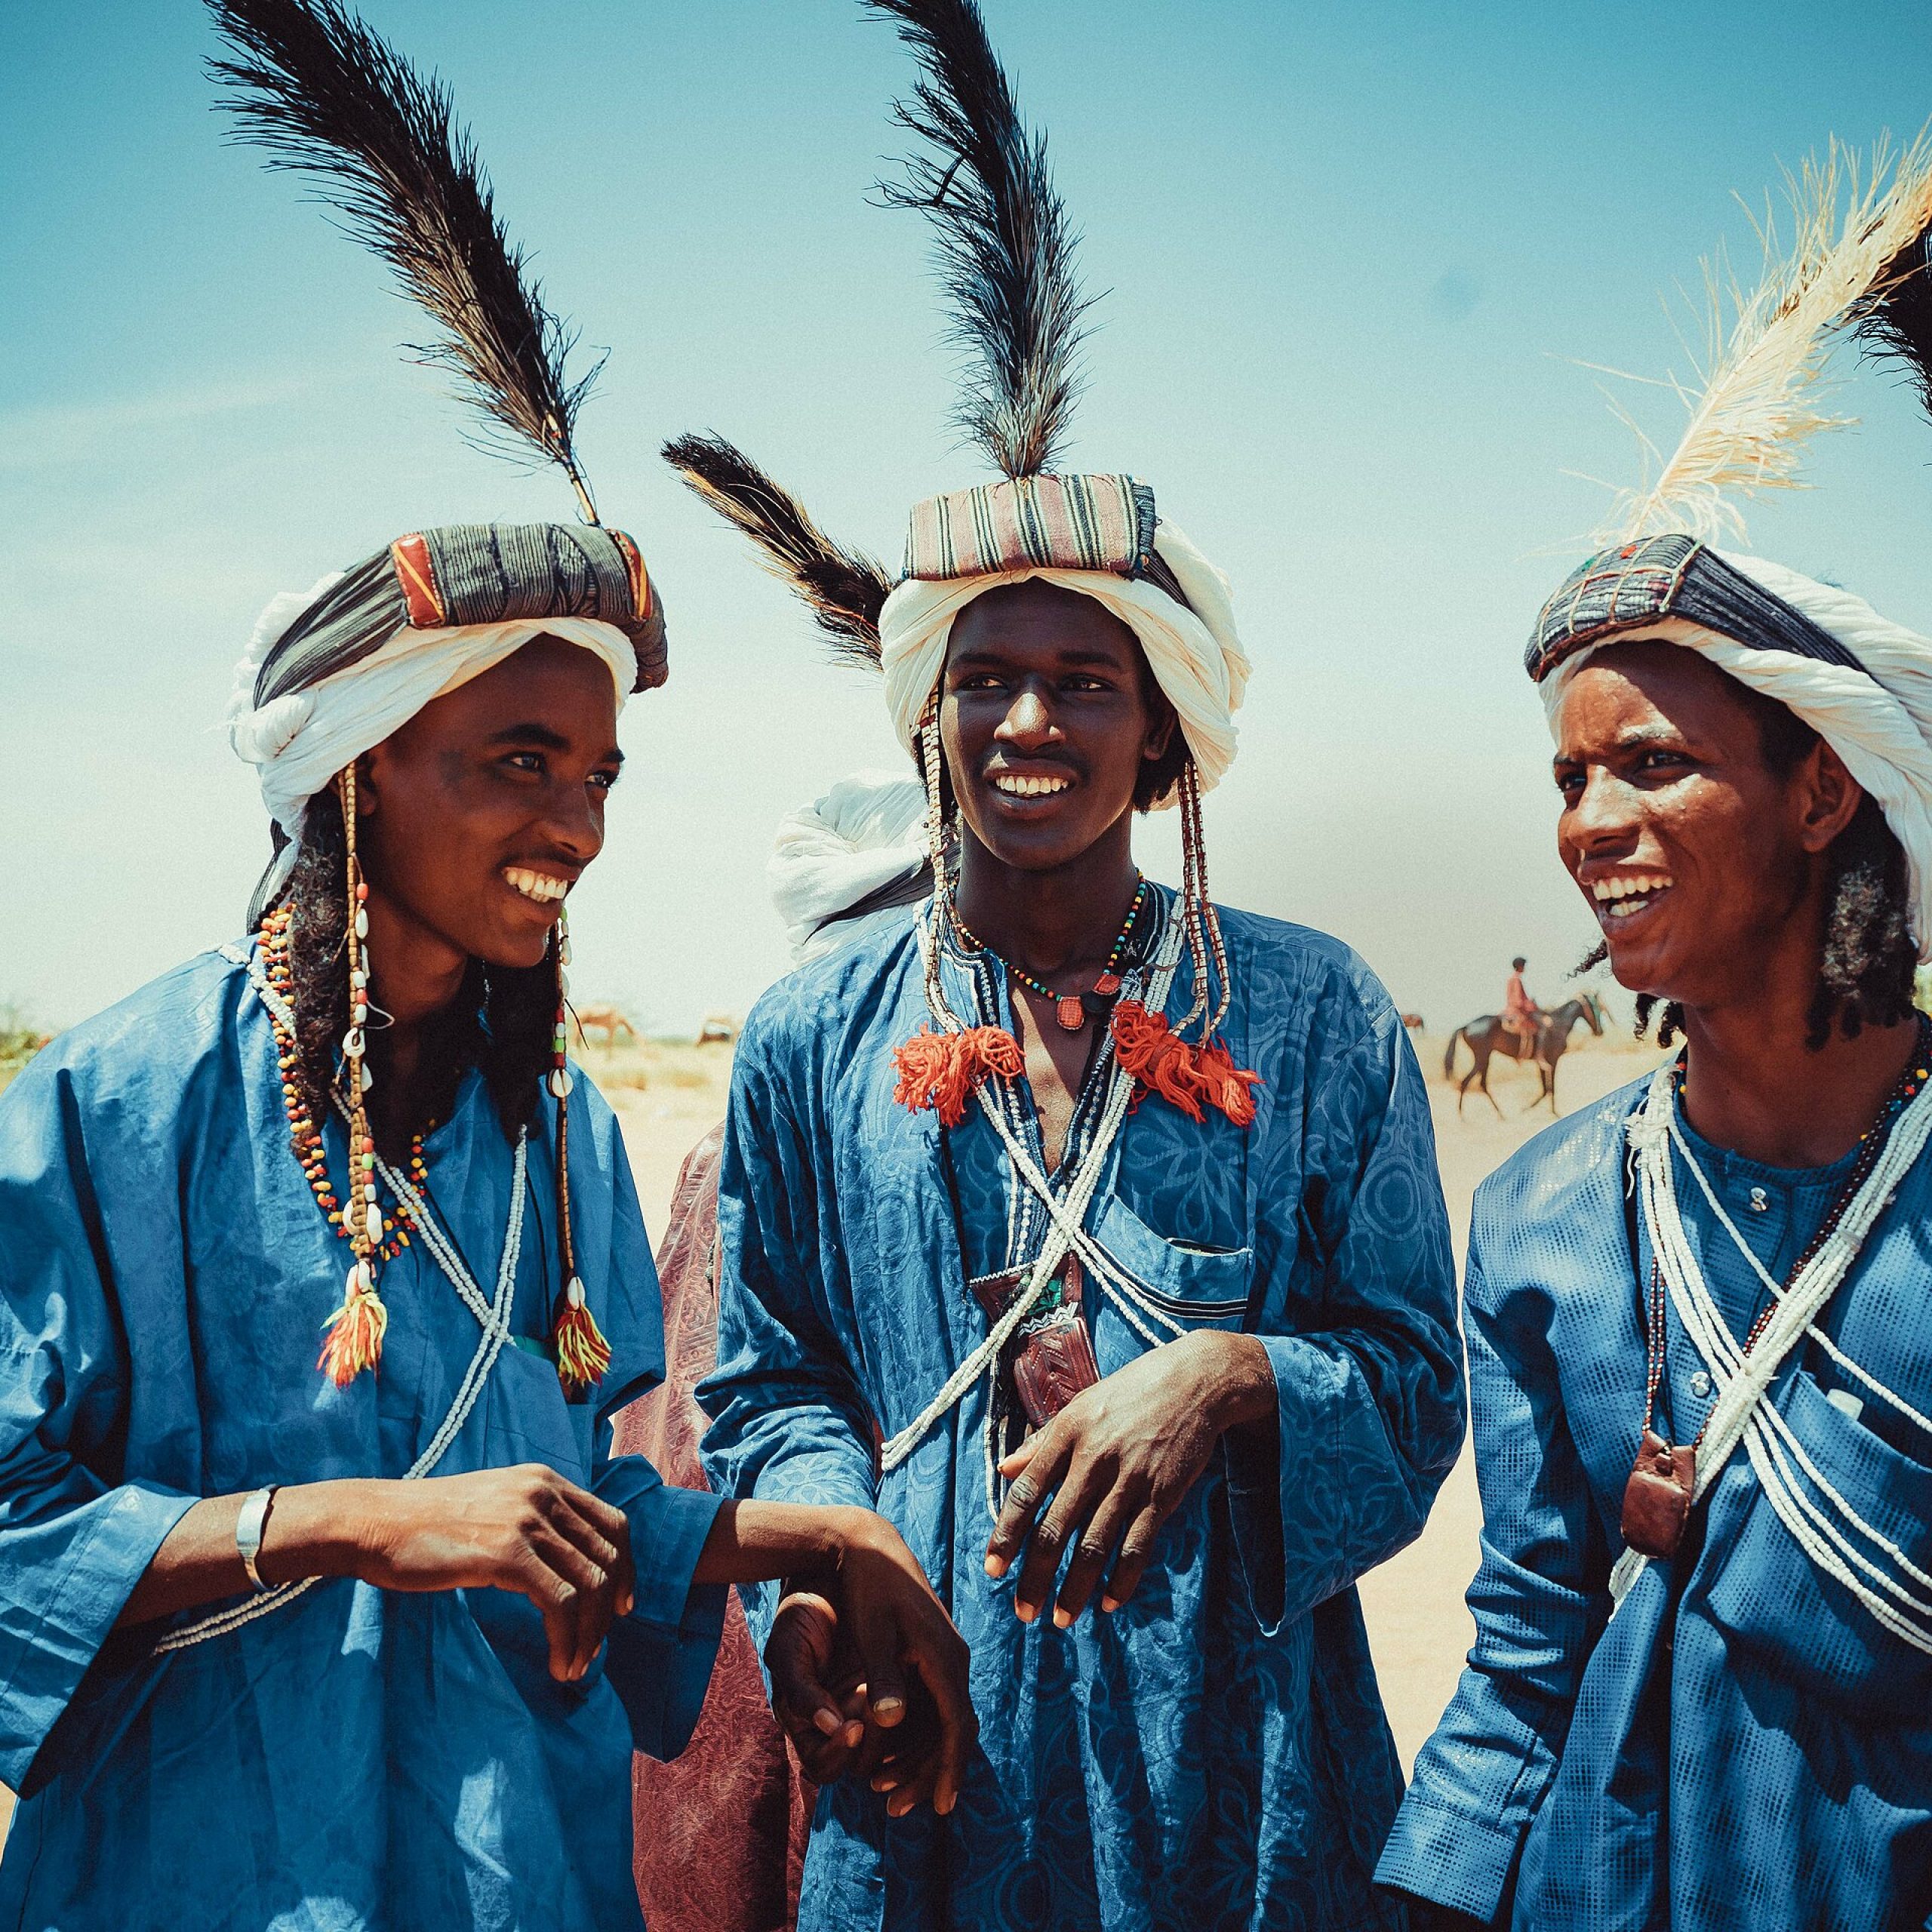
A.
pixel 1828 797
pixel 368 784
pixel 1161 733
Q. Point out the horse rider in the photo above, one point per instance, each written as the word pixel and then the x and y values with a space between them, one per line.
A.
pixel 1521 1014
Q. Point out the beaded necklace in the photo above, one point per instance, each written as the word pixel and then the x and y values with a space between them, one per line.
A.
pixel 1071 1011
pixel 1657 1498
pixel 305 1134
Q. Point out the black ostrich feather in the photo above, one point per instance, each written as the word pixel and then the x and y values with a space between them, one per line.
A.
pixel 1895 323
pixel 308 81
pixel 1005 249
pixel 846 588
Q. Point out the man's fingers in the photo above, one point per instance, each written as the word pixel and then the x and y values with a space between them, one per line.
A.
pixel 1009 1466
pixel 943 1671
pixel 1136 1551
pixel 876 1638
pixel 1081 1492
pixel 1047 1460
pixel 1091 1555
pixel 796 1653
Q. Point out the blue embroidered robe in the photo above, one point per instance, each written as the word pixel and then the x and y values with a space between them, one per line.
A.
pixel 1741 1749
pixel 1215 1753
pixel 357 1759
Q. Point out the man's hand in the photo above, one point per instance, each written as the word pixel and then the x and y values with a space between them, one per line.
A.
pixel 859 1648
pixel 1116 1461
pixel 526 1529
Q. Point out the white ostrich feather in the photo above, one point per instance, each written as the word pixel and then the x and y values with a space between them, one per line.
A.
pixel 1761 393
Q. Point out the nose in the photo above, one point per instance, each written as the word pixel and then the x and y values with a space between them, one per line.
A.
pixel 1028 723
pixel 574 822
pixel 1604 815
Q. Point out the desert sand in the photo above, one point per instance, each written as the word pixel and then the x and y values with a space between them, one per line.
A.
pixel 668 1097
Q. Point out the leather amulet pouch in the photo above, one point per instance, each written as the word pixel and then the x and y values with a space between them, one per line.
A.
pixel 1054 1361
pixel 1656 1500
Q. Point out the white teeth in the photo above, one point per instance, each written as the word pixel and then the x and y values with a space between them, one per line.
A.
pixel 1020 786
pixel 536 885
pixel 1631 885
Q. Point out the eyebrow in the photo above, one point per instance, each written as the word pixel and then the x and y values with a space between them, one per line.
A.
pixel 1633 740
pixel 1070 659
pixel 545 739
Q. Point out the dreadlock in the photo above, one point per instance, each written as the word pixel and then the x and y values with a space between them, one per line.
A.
pixel 1867 969
pixel 501 1020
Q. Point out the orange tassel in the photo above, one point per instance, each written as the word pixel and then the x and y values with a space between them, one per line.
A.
pixel 352 1336
pixel 1182 1075
pixel 582 1354
pixel 942 1069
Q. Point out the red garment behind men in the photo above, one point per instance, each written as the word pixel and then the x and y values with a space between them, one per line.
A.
pixel 720 1830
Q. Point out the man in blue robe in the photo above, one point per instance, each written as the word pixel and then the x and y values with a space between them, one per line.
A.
pixel 1700 1360
pixel 363 1638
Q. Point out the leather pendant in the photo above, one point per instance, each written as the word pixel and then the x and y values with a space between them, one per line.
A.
pixel 1107 985
pixel 1069 1013
pixel 1656 1500
pixel 1050 1363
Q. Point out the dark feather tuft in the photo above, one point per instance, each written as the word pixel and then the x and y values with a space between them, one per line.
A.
pixel 1006 252
pixel 1895 322
pixel 846 588
pixel 323 94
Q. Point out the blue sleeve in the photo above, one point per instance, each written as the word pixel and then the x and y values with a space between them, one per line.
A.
pixel 660 1657
pixel 74 1539
pixel 789 1421
pixel 1370 1387
pixel 1540 1601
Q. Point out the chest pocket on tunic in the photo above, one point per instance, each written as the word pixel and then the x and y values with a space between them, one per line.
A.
pixel 1772 1601
pixel 528 1420
pixel 1197 1286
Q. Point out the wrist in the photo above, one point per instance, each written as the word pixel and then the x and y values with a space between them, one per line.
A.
pixel 1239 1378
pixel 319 1529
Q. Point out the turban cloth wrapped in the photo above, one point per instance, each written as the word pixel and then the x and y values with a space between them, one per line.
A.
pixel 1099 536
pixel 330 674
pixel 840 866
pixel 1863 683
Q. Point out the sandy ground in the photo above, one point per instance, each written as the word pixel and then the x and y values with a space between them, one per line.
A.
pixel 668 1097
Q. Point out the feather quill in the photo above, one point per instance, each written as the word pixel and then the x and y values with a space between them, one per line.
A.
pixel 1005 249
pixel 1761 399
pixel 846 588
pixel 325 96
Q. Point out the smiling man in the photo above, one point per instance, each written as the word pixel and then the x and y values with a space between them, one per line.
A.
pixel 1091 1231
pixel 1701 1357
pixel 324 1601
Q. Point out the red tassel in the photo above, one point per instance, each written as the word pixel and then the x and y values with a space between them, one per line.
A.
pixel 942 1069
pixel 352 1336
pixel 582 1354
pixel 1184 1075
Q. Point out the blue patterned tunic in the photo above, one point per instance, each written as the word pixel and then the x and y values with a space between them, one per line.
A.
pixel 357 1760
pixel 1215 1753
pixel 1743 1749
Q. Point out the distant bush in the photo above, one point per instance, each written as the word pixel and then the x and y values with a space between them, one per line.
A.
pixel 19 1042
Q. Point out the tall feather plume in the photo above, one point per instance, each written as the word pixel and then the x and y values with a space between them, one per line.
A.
pixel 1895 324
pixel 845 588
pixel 1006 252
pixel 1761 397
pixel 325 96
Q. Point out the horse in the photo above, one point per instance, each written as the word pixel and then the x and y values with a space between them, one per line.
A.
pixel 1487 1036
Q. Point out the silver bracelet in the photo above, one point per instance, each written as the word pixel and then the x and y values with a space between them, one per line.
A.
pixel 248 1526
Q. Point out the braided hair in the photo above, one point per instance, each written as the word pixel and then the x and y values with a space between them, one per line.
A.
pixel 1866 970
pixel 501 1020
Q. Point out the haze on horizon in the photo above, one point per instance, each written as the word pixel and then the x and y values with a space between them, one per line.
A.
pixel 1350 259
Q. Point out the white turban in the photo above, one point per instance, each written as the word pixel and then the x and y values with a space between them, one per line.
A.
pixel 1195 655
pixel 298 742
pixel 867 835
pixel 1880 724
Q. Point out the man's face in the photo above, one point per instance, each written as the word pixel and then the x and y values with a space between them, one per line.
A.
pixel 1701 861
pixel 1045 721
pixel 487 806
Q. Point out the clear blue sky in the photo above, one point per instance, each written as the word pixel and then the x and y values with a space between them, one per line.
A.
pixel 1349 250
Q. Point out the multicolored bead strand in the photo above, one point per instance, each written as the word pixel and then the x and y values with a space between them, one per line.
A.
pixel 582 1354
pixel 353 1336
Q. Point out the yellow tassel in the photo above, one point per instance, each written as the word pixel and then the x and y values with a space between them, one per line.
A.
pixel 582 1354
pixel 352 1336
